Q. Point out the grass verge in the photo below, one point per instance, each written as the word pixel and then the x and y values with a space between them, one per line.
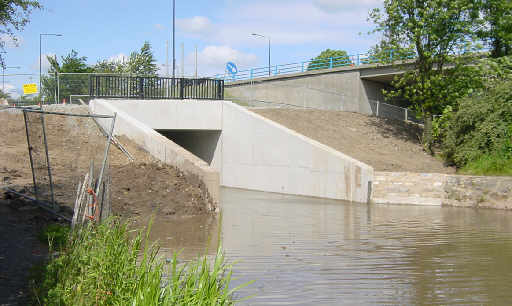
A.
pixel 103 265
pixel 495 164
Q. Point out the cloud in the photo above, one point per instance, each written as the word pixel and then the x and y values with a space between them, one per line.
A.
pixel 198 25
pixel 335 6
pixel 12 90
pixel 212 59
pixel 287 22
pixel 11 41
pixel 45 65
pixel 159 27
pixel 118 58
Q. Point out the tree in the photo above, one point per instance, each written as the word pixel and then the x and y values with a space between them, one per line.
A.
pixel 322 61
pixel 495 26
pixel 143 62
pixel 69 84
pixel 14 15
pixel 437 31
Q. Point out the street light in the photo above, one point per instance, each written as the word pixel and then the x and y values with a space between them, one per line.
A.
pixel 173 39
pixel 259 35
pixel 3 75
pixel 40 39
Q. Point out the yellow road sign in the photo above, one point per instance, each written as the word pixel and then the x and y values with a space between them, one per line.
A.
pixel 29 89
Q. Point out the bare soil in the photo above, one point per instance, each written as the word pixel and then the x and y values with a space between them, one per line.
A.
pixel 384 144
pixel 141 188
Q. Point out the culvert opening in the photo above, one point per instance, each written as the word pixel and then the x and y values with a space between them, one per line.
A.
pixel 201 143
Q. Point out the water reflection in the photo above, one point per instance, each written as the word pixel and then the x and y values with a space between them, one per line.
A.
pixel 310 251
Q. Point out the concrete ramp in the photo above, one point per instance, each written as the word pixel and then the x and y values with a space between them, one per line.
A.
pixel 247 150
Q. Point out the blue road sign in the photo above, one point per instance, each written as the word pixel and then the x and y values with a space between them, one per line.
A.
pixel 231 68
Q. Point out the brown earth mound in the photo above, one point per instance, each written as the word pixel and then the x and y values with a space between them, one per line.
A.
pixel 139 189
pixel 386 145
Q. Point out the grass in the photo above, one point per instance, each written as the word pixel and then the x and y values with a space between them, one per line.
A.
pixel 495 164
pixel 103 265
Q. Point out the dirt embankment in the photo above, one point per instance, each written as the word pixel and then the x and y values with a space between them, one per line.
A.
pixel 386 145
pixel 141 188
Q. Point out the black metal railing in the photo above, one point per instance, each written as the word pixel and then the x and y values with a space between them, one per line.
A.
pixel 111 86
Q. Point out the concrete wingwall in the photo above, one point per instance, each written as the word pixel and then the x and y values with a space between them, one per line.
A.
pixel 158 145
pixel 337 89
pixel 247 150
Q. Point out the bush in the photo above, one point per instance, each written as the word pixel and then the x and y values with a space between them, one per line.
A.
pixel 480 130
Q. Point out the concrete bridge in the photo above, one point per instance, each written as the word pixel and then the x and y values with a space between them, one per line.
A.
pixel 347 88
pixel 223 144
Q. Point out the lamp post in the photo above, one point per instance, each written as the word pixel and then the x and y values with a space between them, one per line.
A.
pixel 263 36
pixel 3 75
pixel 173 39
pixel 40 61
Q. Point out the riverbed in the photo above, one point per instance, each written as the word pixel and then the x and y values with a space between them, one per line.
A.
pixel 312 251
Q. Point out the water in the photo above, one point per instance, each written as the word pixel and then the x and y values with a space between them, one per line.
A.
pixel 312 251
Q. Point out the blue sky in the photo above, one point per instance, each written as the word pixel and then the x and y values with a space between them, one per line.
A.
pixel 221 30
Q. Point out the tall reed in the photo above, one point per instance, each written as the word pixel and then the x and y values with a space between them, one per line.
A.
pixel 103 265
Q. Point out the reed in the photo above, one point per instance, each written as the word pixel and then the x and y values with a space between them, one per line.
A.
pixel 107 264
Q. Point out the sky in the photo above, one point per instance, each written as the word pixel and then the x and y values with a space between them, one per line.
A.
pixel 220 29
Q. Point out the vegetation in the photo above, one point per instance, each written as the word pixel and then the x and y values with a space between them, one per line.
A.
pixel 465 91
pixel 140 63
pixel 102 265
pixel 322 61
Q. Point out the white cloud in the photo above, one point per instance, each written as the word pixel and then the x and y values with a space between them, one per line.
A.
pixel 335 6
pixel 159 27
pixel 45 65
pixel 212 59
pixel 198 25
pixel 11 42
pixel 12 90
pixel 334 22
pixel 118 58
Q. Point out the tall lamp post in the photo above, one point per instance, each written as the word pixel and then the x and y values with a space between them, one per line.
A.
pixel 267 37
pixel 3 75
pixel 40 61
pixel 173 39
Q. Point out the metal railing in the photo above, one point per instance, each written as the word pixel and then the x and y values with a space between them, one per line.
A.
pixel 316 64
pixel 389 111
pixel 112 86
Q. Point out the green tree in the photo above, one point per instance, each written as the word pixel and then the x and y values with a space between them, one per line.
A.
pixel 495 25
pixel 14 15
pixel 143 62
pixel 323 60
pixel 437 31
pixel 68 84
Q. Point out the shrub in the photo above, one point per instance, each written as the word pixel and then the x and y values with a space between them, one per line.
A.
pixel 481 128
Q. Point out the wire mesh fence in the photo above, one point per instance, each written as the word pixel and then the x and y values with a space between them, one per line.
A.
pixel 69 160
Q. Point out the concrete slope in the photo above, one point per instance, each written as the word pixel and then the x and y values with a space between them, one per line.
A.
pixel 251 152
pixel 159 146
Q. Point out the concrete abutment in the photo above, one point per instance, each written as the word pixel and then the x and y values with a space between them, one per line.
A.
pixel 224 144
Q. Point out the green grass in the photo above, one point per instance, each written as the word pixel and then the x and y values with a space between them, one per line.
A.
pixel 103 265
pixel 495 164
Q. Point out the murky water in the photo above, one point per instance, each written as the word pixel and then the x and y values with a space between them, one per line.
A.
pixel 311 251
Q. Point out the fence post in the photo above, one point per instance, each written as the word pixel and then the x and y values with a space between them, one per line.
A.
pixel 406 115
pixel 252 72
pixel 377 109
pixel 358 60
pixel 57 96
pixel 302 64
pixel 330 63
pixel 141 87
pixel 275 71
pixel 90 86
pixel 182 87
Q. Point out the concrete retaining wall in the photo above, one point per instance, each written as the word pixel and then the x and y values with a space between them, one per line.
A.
pixel 251 152
pixel 341 90
pixel 159 146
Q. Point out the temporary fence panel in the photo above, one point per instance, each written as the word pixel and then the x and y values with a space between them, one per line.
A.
pixel 64 149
